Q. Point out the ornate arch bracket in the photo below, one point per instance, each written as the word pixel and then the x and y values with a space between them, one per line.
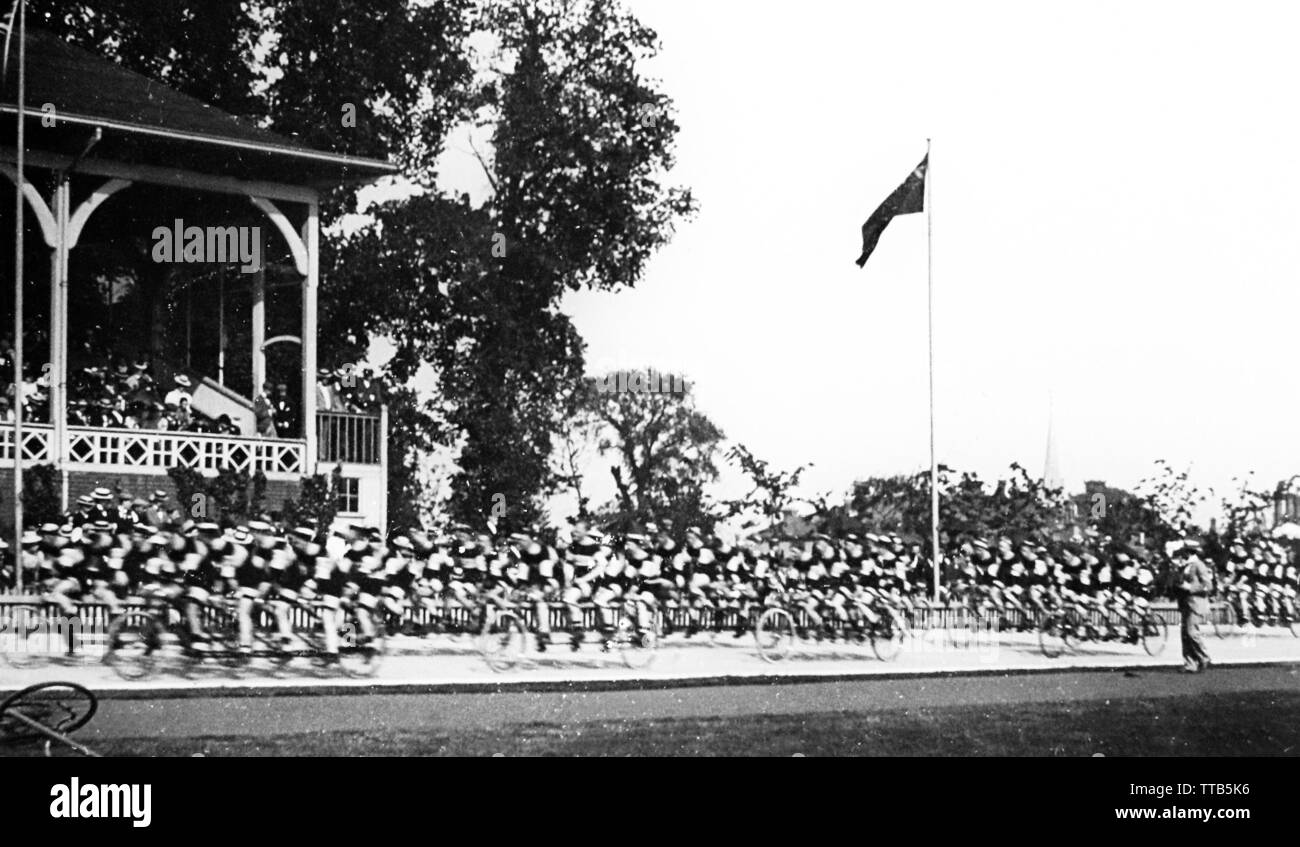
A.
pixel 49 229
pixel 88 206
pixel 297 246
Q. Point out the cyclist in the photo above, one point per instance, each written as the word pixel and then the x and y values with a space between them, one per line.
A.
pixel 540 576
pixel 583 564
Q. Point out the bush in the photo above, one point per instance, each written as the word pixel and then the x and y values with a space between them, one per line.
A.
pixel 317 501
pixel 42 495
pixel 224 498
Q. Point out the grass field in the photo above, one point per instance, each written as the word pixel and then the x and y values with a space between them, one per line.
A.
pixel 1249 724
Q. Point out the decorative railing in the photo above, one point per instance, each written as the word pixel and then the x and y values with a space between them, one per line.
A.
pixel 348 437
pixel 342 437
pixel 154 451
pixel 158 450
pixel 37 440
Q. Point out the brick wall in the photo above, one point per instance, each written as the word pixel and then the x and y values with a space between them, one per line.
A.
pixel 139 485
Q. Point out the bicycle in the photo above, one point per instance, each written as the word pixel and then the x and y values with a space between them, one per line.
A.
pixel 1066 626
pixel 503 638
pixel 48 712
pixel 778 627
pixel 137 639
pixel 32 638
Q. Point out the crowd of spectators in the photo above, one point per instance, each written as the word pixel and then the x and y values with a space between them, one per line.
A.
pixel 107 389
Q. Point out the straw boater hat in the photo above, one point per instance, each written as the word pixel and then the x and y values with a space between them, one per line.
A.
pixel 182 380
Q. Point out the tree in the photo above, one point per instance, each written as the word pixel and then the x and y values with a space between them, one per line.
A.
pixel 578 143
pixel 773 491
pixel 665 451
pixel 1019 507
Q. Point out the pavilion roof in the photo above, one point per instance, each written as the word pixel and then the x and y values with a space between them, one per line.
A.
pixel 148 122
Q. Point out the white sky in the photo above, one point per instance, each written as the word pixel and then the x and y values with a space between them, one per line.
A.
pixel 1116 210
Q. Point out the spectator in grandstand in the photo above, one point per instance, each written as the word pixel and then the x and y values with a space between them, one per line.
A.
pixel 225 426
pixel 286 414
pixel 179 417
pixel 138 377
pixel 264 412
pixel 180 392
pixel 328 398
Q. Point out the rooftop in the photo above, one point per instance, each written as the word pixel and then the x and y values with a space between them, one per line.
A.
pixel 147 122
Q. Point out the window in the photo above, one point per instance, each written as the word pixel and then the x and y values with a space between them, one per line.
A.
pixel 349 494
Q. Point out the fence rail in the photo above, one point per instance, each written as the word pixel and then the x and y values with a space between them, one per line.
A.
pixel 31 612
pixel 348 437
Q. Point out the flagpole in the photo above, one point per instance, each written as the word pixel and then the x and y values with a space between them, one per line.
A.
pixel 929 287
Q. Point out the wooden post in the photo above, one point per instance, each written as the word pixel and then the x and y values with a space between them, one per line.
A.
pixel 221 325
pixel 19 200
pixel 311 237
pixel 383 469
pixel 59 335
pixel 259 322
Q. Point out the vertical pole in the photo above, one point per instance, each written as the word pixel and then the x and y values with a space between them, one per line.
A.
pixel 311 236
pixel 935 555
pixel 383 469
pixel 221 325
pixel 59 335
pixel 21 14
pixel 189 324
pixel 259 322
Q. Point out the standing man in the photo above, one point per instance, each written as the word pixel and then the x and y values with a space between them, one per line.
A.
pixel 264 412
pixel 1194 584
pixel 327 393
pixel 286 419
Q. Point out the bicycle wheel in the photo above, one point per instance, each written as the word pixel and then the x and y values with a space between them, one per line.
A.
pixel 637 649
pixel 60 706
pixel 503 641
pixel 1154 632
pixel 959 631
pixel 363 658
pixel 134 640
pixel 225 644
pixel 1051 637
pixel 31 644
pixel 774 633
pixel 887 636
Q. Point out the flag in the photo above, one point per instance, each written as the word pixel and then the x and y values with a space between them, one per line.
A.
pixel 907 199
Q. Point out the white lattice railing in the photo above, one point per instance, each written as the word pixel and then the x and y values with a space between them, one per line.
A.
pixel 37 440
pixel 154 450
pixel 127 450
